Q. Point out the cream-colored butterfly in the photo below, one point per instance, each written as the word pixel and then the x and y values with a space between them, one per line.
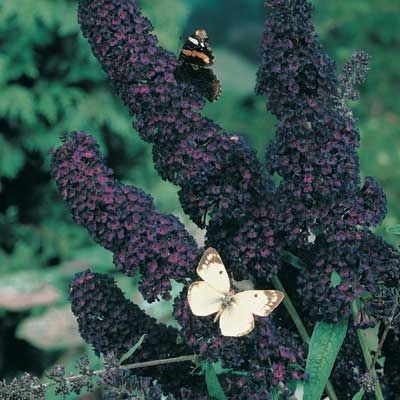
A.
pixel 214 295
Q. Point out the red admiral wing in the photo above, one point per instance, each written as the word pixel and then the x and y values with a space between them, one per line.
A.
pixel 196 56
pixel 202 78
pixel 196 50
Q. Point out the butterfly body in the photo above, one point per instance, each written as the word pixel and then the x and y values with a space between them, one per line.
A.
pixel 195 58
pixel 233 310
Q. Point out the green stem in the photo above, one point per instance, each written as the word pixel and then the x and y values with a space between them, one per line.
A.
pixel 292 310
pixel 300 327
pixel 366 353
pixel 144 364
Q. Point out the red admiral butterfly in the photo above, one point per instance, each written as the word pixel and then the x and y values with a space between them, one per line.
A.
pixel 195 56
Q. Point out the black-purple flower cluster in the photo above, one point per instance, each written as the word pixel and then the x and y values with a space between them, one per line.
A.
pixel 322 215
pixel 318 212
pixel 219 177
pixel 111 323
pixel 315 150
pixel 345 267
pixel 123 219
pixel 297 77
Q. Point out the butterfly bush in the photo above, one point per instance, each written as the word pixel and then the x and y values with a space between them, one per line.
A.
pixel 315 153
pixel 320 211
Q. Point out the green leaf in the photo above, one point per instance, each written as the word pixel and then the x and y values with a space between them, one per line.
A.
pixel 213 386
pixel 293 260
pixel 395 229
pixel 132 350
pixel 359 395
pixel 275 394
pixel 336 280
pixel 12 158
pixel 17 104
pixel 325 344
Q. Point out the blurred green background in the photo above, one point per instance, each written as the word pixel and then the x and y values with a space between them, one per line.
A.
pixel 51 84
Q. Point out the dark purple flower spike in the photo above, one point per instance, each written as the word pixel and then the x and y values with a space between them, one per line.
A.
pixel 123 219
pixel 218 177
pixel 322 215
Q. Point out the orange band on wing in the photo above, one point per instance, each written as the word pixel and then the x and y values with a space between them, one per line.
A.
pixel 198 54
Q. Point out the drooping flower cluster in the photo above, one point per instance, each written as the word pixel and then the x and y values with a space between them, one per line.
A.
pixel 218 176
pixel 100 307
pixel 123 219
pixel 317 212
pixel 113 324
pixel 315 150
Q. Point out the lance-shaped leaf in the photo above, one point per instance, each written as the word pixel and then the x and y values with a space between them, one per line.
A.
pixel 325 344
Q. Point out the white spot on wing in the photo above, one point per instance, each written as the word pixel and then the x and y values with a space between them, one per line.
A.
pixel 193 40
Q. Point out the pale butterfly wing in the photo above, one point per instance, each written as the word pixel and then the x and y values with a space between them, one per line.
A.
pixel 204 299
pixel 235 311
pixel 212 270
pixel 259 302
pixel 236 320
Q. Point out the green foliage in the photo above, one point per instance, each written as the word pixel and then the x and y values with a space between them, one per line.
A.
pixel 46 92
pixel 325 344
pixel 336 280
pixel 359 395
pixel 394 229
pixel 213 386
pixel 132 350
pixel 12 158
pixel 168 18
